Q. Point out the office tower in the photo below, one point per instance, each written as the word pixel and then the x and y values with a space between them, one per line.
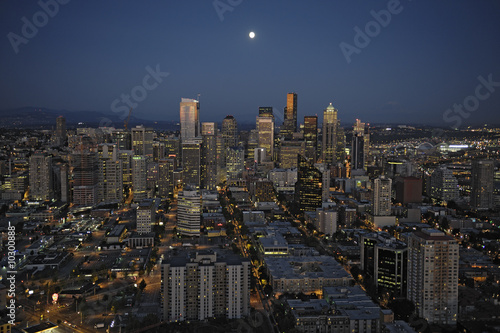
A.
pixel 191 162
pixel 125 156
pixel 444 186
pixel 40 177
pixel 85 178
pixel 433 276
pixel 190 118
pixel 325 171
pixel 123 139
pixel 158 151
pixel 330 125
pixel 172 145
pixel 205 284
pixel 309 185
pixel 110 175
pixel 311 136
pixel 382 196
pixel 259 155
pixel 289 151
pixel 166 169
pixel 266 111
pixel 482 184
pixel 290 119
pixel 139 177
pixel 358 152
pixel 252 144
pixel 142 140
pixel 340 143
pixel 60 134
pixel 145 216
pixel 265 128
pixel 230 132
pixel 65 187
pixel 326 221
pixel 385 259
pixel 362 129
pixel 152 175
pixel 235 162
pixel 409 190
pixel 209 156
pixel 189 212
pixel 262 190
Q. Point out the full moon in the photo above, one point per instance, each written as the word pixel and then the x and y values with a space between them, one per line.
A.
pixel 251 34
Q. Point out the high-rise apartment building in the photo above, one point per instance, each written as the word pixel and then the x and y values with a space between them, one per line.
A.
pixel 330 125
pixel 311 136
pixel 309 185
pixel 190 118
pixel 433 276
pixel 209 156
pixel 382 187
pixel 40 177
pixel 189 212
pixel 482 184
pixel 191 162
pixel 205 284
pixel 444 185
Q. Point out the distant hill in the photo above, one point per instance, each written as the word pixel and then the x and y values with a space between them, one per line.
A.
pixel 37 117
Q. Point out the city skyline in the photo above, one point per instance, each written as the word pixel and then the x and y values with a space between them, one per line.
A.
pixel 396 74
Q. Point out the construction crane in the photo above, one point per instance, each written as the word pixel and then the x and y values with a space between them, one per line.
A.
pixel 125 124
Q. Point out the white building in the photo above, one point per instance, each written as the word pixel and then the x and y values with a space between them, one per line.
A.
pixel 382 196
pixel 205 284
pixel 145 216
pixel 189 212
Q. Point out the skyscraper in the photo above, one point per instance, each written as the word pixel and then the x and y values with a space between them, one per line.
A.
pixel 362 130
pixel 60 130
pixel 265 128
pixel 145 216
pixel 311 136
pixel 482 184
pixel 142 140
pixel 191 162
pixel 358 152
pixel 290 119
pixel 205 284
pixel 85 178
pixel 40 177
pixel 166 169
pixel 382 196
pixel 209 156
pixel 266 111
pixel 433 276
pixel 329 145
pixel 190 118
pixel 309 185
pixel 235 162
pixel 110 176
pixel 189 212
pixel 230 131
pixel 139 177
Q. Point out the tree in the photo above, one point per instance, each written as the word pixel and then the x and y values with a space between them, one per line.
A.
pixel 142 285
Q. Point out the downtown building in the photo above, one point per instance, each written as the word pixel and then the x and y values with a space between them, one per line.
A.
pixel 189 212
pixel 385 259
pixel 290 119
pixel 444 186
pixel 309 185
pixel 110 174
pixel 433 276
pixel 205 284
pixel 40 177
pixel 482 184
pixel 330 126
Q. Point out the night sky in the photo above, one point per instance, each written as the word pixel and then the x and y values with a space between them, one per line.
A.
pixel 427 58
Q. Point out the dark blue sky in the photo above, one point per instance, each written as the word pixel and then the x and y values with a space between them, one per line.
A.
pixel 426 59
